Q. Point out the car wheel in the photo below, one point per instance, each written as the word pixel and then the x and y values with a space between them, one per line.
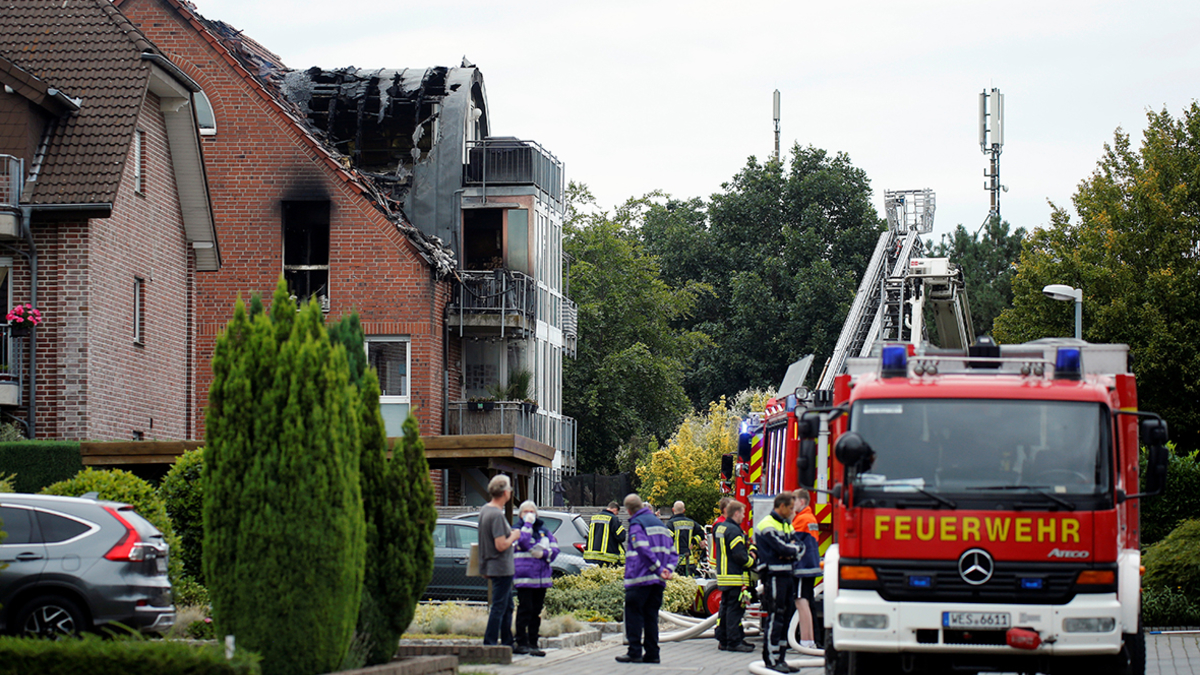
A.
pixel 51 616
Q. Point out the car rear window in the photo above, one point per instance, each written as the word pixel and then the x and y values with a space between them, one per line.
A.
pixel 143 526
pixel 56 528
pixel 552 524
pixel 16 524
pixel 465 535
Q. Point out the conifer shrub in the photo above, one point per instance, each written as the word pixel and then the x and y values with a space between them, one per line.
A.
pixel 118 485
pixel 284 533
pixel 183 496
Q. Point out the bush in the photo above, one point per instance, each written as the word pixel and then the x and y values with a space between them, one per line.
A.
pixel 118 485
pixel 39 463
pixel 1179 501
pixel 601 591
pixel 1174 562
pixel 96 656
pixel 1163 607
pixel 182 494
pixel 7 482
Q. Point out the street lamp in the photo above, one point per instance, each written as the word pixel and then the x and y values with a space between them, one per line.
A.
pixel 1065 292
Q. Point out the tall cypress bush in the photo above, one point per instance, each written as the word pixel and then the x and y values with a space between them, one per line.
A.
pixel 284 530
pixel 398 505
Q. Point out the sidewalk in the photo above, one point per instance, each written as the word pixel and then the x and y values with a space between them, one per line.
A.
pixel 1173 654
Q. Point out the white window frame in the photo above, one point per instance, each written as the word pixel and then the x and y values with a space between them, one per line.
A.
pixel 407 340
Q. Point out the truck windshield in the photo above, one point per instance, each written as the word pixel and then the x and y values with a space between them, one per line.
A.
pixel 973 446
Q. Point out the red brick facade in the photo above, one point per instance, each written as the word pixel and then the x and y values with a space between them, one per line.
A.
pixel 259 159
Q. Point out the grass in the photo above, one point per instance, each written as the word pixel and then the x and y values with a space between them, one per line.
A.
pixel 450 620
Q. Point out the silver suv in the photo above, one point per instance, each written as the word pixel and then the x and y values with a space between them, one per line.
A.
pixel 76 563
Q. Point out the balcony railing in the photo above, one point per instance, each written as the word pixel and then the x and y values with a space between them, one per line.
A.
pixel 12 174
pixel 501 293
pixel 515 417
pixel 570 325
pixel 12 374
pixel 508 161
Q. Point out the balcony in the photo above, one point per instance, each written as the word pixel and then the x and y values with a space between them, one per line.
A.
pixel 12 175
pixel 12 375
pixel 570 326
pixel 509 161
pixel 516 418
pixel 494 302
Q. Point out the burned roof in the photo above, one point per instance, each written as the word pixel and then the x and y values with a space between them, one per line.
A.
pixel 89 52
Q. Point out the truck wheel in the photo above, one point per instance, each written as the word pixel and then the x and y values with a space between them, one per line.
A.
pixel 1132 659
pixel 712 600
pixel 836 663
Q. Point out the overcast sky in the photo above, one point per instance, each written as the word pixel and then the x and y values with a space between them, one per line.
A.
pixel 639 96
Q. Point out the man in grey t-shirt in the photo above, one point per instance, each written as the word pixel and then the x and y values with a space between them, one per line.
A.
pixel 496 539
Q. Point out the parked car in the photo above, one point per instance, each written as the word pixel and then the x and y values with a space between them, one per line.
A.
pixel 570 529
pixel 452 539
pixel 75 564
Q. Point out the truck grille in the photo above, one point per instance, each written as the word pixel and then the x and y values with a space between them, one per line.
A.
pixel 940 582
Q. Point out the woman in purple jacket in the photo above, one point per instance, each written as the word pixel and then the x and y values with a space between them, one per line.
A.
pixel 535 550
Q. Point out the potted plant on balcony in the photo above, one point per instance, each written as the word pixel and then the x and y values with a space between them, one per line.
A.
pixel 477 404
pixel 23 317
pixel 6 375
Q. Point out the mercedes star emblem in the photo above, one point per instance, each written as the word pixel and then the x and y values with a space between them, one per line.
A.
pixel 976 566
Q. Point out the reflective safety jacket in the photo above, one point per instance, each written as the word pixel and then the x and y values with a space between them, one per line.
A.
pixel 606 536
pixel 733 558
pixel 686 532
pixel 651 548
pixel 533 571
pixel 777 549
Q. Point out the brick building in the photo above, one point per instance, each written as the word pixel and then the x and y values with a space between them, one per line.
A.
pixel 105 225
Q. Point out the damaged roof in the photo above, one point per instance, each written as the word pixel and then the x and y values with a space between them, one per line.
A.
pixel 266 73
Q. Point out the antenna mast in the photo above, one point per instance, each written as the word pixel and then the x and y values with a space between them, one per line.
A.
pixel 776 125
pixel 991 142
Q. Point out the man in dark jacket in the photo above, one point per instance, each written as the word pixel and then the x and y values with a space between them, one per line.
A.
pixel 606 537
pixel 777 553
pixel 649 562
pixel 733 562
pixel 687 533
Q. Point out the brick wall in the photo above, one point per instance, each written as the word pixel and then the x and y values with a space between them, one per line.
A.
pixel 257 160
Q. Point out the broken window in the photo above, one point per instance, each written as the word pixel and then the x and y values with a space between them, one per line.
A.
pixel 483 239
pixel 205 119
pixel 306 250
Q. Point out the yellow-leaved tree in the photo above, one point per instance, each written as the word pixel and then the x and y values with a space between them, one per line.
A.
pixel 689 467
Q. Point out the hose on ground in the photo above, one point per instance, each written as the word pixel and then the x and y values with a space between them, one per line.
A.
pixel 693 627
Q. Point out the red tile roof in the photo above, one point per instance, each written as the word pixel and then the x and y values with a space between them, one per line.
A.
pixel 89 51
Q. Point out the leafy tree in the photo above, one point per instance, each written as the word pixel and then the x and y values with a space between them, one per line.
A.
pixel 783 249
pixel 398 506
pixel 1135 252
pixel 988 263
pixel 688 467
pixel 626 380
pixel 283 514
pixel 182 493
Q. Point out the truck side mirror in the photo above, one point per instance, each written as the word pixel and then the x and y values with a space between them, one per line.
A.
pixel 1159 461
pixel 1152 431
pixel 852 450
pixel 727 466
pixel 806 462
pixel 744 447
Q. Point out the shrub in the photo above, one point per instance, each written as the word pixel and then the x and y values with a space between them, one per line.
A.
pixel 601 590
pixel 96 656
pixel 1181 499
pixel 182 494
pixel 1168 607
pixel 1174 562
pixel 118 485
pixel 284 534
pixel 39 463
pixel 7 482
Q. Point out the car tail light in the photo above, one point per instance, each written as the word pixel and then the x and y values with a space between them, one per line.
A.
pixel 579 545
pixel 129 547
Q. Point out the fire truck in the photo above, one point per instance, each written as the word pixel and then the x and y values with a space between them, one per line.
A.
pixel 985 509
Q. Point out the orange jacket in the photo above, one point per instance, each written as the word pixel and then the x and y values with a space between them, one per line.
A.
pixel 805 521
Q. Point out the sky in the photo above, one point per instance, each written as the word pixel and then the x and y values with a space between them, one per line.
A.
pixel 676 96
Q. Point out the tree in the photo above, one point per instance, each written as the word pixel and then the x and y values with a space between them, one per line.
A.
pixel 689 467
pixel 988 263
pixel 625 382
pixel 783 249
pixel 283 514
pixel 1135 252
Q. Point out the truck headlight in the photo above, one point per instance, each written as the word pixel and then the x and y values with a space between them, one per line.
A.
pixel 1089 625
pixel 875 621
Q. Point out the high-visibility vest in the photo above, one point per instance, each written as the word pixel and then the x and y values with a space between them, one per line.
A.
pixel 683 529
pixel 603 545
pixel 728 536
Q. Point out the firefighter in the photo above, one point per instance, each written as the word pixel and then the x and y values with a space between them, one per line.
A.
pixel 733 563
pixel 688 534
pixel 649 565
pixel 777 553
pixel 606 538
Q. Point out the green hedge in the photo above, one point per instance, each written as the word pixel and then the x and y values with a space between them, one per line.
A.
pixel 39 463
pixel 1181 500
pixel 602 590
pixel 96 656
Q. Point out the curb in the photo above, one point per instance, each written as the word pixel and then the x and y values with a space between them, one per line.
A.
pixel 567 640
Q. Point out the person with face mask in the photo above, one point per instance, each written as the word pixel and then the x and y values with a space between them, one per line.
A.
pixel 536 549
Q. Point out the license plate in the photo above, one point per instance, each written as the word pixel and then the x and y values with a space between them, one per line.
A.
pixel 976 619
pixel 160 564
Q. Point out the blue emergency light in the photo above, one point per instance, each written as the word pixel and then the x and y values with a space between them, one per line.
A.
pixel 1032 583
pixel 1069 363
pixel 895 361
pixel 920 581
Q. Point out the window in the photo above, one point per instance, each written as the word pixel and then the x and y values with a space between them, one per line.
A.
pixel 390 358
pixel 306 250
pixel 139 310
pixel 205 119
pixel 58 529
pixel 139 162
pixel 440 532
pixel 17 524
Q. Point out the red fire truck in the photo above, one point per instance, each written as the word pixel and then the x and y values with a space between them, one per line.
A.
pixel 984 508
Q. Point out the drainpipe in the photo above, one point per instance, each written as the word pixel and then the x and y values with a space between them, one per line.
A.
pixel 31 412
